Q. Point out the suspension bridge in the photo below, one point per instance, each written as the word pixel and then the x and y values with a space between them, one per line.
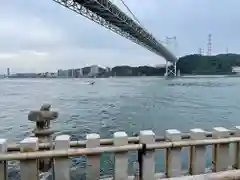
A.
pixel 108 15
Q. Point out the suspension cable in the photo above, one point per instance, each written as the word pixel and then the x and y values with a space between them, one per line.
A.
pixel 126 6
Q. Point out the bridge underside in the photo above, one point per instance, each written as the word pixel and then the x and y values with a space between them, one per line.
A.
pixel 110 16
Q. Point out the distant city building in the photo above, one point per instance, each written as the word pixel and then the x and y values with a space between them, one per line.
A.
pixel 236 69
pixel 90 71
pixel 24 75
pixel 94 70
pixel 86 71
pixel 8 72
pixel 108 69
pixel 81 72
pixel 49 75
pixel 78 73
pixel 62 73
pixel 70 73
pixel 129 72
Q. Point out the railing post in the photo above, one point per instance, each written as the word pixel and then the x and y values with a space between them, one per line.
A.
pixel 29 168
pixel 121 159
pixel 236 149
pixel 62 165
pixel 197 159
pixel 173 155
pixel 43 131
pixel 3 164
pixel 93 162
pixel 220 151
pixel 147 168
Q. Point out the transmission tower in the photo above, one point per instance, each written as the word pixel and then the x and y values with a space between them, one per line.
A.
pixel 209 45
pixel 226 50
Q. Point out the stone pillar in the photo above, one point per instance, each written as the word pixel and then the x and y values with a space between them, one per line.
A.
pixel 43 131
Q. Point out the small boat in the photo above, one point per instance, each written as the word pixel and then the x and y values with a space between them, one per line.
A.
pixel 91 83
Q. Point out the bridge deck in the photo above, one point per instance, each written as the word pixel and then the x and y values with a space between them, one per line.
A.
pixel 105 10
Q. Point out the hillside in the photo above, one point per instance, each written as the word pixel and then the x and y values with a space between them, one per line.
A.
pixel 197 64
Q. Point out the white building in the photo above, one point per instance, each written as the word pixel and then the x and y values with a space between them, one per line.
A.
pixel 81 72
pixel 236 69
pixel 94 70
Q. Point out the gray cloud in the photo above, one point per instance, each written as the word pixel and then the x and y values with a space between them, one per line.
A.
pixel 43 36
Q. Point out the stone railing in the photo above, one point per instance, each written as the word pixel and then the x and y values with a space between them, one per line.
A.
pixel 36 155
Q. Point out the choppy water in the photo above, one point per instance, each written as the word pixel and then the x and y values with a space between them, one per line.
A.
pixel 119 104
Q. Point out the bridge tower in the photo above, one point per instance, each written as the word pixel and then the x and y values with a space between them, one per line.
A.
pixel 171 68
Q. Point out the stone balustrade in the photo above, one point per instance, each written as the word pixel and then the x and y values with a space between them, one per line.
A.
pixel 146 146
pixel 45 153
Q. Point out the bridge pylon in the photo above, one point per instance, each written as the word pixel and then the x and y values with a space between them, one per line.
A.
pixel 171 70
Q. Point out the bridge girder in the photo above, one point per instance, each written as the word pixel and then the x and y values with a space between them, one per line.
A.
pixel 108 15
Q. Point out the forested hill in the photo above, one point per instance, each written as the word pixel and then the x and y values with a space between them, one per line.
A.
pixel 197 64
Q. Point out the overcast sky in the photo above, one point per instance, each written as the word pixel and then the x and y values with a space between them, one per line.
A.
pixel 41 35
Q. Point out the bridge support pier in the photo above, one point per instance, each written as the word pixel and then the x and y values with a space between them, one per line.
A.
pixel 171 69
